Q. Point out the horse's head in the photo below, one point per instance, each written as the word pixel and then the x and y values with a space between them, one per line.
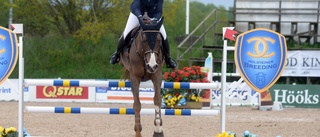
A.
pixel 152 45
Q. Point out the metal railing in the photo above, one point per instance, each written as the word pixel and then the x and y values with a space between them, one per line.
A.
pixel 192 44
pixel 184 49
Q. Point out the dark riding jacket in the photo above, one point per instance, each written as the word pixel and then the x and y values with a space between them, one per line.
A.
pixel 153 7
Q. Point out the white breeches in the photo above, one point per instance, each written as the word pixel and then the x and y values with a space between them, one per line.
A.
pixel 134 22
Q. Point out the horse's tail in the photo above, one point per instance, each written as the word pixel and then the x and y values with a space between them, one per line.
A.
pixel 125 74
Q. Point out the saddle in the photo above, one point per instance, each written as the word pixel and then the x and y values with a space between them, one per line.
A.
pixel 129 39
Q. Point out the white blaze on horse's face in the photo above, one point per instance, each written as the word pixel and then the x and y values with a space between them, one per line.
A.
pixel 152 63
pixel 153 50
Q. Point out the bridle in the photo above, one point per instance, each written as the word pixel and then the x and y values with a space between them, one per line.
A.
pixel 144 56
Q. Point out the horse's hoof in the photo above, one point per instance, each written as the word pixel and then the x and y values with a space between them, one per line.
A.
pixel 158 134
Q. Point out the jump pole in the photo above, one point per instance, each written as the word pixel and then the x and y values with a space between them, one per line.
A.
pixel 120 111
pixel 19 31
pixel 230 35
pixel 98 83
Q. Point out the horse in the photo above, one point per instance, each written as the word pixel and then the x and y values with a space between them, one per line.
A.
pixel 143 61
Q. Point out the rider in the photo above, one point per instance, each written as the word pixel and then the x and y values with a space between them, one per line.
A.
pixel 154 10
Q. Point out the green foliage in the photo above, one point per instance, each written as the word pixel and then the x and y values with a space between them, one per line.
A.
pixel 32 15
pixel 4 14
pixel 103 19
pixel 74 38
pixel 66 57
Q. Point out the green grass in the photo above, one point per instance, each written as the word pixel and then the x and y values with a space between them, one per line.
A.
pixel 54 57
pixel 67 58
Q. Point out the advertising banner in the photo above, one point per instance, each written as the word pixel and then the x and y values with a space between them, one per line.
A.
pixel 62 93
pixel 303 96
pixel 9 90
pixel 101 94
pixel 304 63
pixel 124 95
pixel 242 95
pixel 59 92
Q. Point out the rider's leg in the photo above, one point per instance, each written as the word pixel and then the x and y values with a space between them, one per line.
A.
pixel 131 24
pixel 114 58
pixel 166 47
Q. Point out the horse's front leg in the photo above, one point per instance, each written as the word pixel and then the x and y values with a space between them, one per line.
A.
pixel 158 131
pixel 136 106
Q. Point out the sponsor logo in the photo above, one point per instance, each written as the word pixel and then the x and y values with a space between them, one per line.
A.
pixel 120 89
pixel 8 53
pixel 295 96
pixel 101 90
pixel 129 89
pixel 59 92
pixel 5 90
pixel 241 94
pixel 260 57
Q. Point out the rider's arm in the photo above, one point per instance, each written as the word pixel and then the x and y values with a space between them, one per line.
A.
pixel 158 12
pixel 135 8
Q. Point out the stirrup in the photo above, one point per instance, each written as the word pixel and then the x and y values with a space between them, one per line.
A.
pixel 171 63
pixel 114 58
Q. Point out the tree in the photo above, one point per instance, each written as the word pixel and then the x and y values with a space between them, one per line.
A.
pixel 4 14
pixel 32 15
pixel 104 18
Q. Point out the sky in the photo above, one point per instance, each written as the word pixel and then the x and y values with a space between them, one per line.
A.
pixel 225 3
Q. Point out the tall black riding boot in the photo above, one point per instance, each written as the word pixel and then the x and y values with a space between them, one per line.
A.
pixel 169 61
pixel 115 57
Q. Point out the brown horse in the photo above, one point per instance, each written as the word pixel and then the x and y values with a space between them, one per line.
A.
pixel 142 62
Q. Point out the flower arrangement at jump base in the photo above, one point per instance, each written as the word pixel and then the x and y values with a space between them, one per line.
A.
pixel 226 134
pixel 8 132
pixel 230 134
pixel 244 134
pixel 179 97
pixel 12 132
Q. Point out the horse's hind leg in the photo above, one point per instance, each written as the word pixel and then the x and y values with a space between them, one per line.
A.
pixel 158 131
